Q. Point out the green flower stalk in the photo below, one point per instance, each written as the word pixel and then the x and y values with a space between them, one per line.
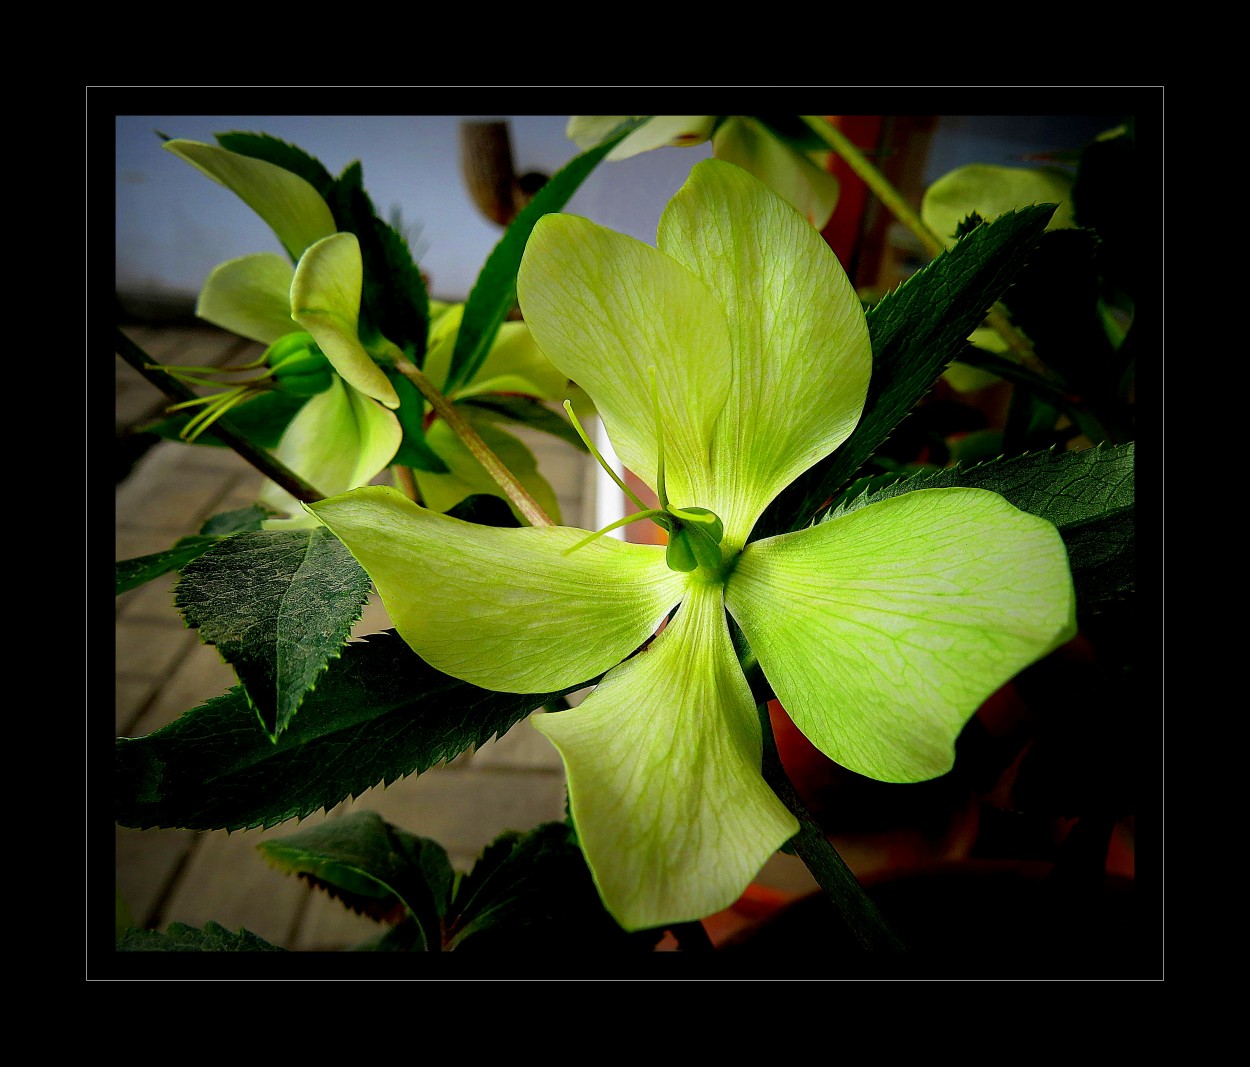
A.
pixel 724 363
pixel 788 170
pixel 514 367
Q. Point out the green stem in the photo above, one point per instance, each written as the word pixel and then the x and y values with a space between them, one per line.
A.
pixel 827 867
pixel 446 411
pixel 875 180
pixel 933 244
pixel 263 461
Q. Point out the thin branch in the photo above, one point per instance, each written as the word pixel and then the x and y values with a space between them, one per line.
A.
pixel 828 868
pixel 446 411
pixel 933 244
pixel 262 460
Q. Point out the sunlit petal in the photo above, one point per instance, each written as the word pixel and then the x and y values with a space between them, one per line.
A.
pixel 663 766
pixel 338 440
pixel 883 630
pixel 294 210
pixel 325 300
pixel 505 609
pixel 605 308
pixel 250 296
pixel 801 353
pixel 800 346
pixel 990 189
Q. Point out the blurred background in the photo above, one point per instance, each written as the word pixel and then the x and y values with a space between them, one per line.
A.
pixel 174 225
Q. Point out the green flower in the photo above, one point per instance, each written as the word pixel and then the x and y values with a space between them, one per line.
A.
pixel 724 363
pixel 789 171
pixel 346 433
pixel 343 436
pixel 989 190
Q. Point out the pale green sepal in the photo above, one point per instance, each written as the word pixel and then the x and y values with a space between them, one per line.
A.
pixel 990 190
pixel 505 609
pixel 605 308
pixel 250 296
pixel 882 637
pixel 325 301
pixel 466 475
pixel 338 440
pixel 801 352
pixel 587 131
pixel 663 769
pixel 659 131
pixel 440 342
pixel 785 170
pixel 515 364
pixel 294 210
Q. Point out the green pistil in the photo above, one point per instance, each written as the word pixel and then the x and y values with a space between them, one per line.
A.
pixel 659 440
pixel 694 534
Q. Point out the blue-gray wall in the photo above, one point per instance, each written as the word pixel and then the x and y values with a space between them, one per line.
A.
pixel 174 224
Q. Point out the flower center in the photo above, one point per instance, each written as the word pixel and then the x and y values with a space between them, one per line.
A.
pixel 694 534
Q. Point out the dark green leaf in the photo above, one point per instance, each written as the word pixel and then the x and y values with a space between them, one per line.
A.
pixel 916 331
pixel 241 520
pixel 375 868
pixel 494 293
pixel 132 573
pixel 529 412
pixel 278 605
pixel 414 449
pixel 1109 197
pixel 394 301
pixel 280 153
pixel 1088 495
pixel 182 938
pixel 485 509
pixel 533 891
pixel 378 714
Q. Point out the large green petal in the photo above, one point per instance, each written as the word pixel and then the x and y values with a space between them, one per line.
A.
pixel 250 296
pixel 325 300
pixel 604 308
pixel 294 210
pixel 801 353
pixel 663 767
pixel 882 637
pixel 466 475
pixel 338 440
pixel 504 609
pixel 785 170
